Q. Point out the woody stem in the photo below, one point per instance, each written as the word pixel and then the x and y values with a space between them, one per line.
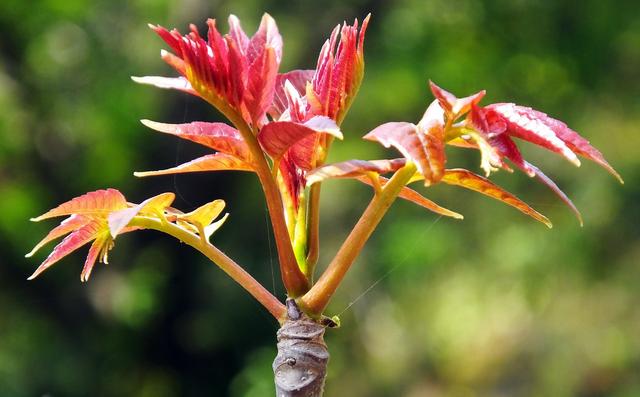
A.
pixel 315 301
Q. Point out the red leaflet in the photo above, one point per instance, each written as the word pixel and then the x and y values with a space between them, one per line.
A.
pixel 278 137
pixel 232 70
pixel 339 72
pixel 217 136
pixel 537 127
pixel 525 123
pixel 507 148
pixel 423 149
pixel 210 162
pixel 453 106
pixel 263 55
pixel 469 180
pixel 298 80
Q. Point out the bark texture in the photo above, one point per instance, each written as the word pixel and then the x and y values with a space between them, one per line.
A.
pixel 300 367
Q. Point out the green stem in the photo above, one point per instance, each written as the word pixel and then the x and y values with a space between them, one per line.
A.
pixel 315 301
pixel 235 271
pixel 313 232
pixel 300 236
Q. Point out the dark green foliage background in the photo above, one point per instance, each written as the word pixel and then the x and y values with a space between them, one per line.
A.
pixel 496 305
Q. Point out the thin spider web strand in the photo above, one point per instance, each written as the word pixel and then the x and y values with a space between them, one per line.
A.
pixel 394 268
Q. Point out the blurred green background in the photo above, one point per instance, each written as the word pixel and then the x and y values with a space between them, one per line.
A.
pixel 495 305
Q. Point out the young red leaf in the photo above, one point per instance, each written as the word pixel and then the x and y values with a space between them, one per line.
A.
pixel 98 203
pixel 153 206
pixel 174 83
pixel 277 137
pixel 505 146
pixel 263 52
pixel 298 80
pixel 455 107
pixel 70 224
pixel 71 243
pixel 232 71
pixel 536 126
pixel 217 136
pixel 210 162
pixel 426 151
pixel 352 169
pixel 525 123
pixel 415 197
pixel 339 71
pixel 469 180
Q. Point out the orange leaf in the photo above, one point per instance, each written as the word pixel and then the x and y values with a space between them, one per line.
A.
pixel 71 243
pixel 67 226
pixel 210 162
pixel 94 251
pixel 416 198
pixel 469 180
pixel 98 203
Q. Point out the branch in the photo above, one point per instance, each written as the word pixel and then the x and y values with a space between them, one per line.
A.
pixel 294 280
pixel 235 271
pixel 316 300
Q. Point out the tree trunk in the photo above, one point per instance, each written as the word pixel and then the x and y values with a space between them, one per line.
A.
pixel 300 367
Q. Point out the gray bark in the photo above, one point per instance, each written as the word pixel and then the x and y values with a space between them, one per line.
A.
pixel 300 367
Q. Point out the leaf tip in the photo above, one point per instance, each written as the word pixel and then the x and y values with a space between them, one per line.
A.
pixel 575 161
